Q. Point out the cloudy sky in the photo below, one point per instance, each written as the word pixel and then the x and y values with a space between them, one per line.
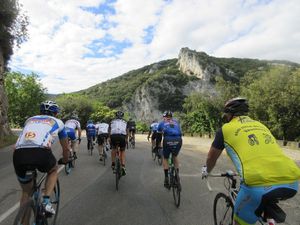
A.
pixel 74 44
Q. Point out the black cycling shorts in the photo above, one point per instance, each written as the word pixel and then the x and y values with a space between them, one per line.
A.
pixel 25 159
pixel 101 137
pixel 118 140
pixel 154 135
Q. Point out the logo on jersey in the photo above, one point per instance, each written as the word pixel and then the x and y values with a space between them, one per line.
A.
pixel 30 135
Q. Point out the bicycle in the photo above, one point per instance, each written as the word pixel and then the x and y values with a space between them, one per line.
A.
pixel 118 168
pixel 90 145
pixel 33 211
pixel 105 149
pixel 132 142
pixel 71 163
pixel 157 154
pixel 174 180
pixel 271 215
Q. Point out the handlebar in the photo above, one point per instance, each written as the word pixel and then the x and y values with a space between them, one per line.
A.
pixel 228 174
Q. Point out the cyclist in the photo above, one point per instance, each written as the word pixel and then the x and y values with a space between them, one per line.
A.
pixel 90 132
pixel 71 126
pixel 118 136
pixel 131 128
pixel 265 171
pixel 33 151
pixel 102 135
pixel 170 129
pixel 153 133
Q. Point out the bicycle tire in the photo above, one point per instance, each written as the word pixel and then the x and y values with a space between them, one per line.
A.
pixel 28 207
pixel 104 157
pixel 68 168
pixel 176 188
pixel 159 157
pixel 153 153
pixel 222 201
pixel 117 173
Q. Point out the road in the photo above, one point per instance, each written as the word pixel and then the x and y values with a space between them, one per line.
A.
pixel 89 196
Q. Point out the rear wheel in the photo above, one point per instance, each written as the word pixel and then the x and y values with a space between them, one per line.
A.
pixel 27 214
pixel 153 153
pixel 159 156
pixel 68 167
pixel 117 172
pixel 223 210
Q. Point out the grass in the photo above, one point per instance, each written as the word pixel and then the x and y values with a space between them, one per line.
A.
pixel 8 140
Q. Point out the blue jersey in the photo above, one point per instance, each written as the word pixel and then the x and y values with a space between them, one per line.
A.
pixel 169 128
pixel 153 127
pixel 91 130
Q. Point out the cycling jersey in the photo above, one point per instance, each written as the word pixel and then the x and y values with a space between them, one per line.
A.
pixel 102 128
pixel 40 131
pixel 154 127
pixel 131 125
pixel 169 128
pixel 118 126
pixel 256 154
pixel 90 130
pixel 73 124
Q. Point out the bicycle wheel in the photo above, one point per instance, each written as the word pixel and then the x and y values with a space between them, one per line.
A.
pixel 26 214
pixel 223 210
pixel 54 198
pixel 104 156
pixel 159 156
pixel 117 172
pixel 153 153
pixel 68 167
pixel 176 188
pixel 92 148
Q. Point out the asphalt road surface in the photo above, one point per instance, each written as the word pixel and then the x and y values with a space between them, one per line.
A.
pixel 89 197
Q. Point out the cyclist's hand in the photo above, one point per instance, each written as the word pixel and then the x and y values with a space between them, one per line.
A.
pixel 204 172
pixel 79 140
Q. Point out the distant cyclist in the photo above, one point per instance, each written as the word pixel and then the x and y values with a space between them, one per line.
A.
pixel 170 129
pixel 33 151
pixel 153 134
pixel 131 126
pixel 265 171
pixel 102 136
pixel 90 132
pixel 72 125
pixel 118 136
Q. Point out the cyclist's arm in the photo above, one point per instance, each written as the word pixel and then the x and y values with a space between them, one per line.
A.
pixel 215 150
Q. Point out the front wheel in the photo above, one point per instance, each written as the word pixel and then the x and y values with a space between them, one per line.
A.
pixel 27 214
pixel 223 210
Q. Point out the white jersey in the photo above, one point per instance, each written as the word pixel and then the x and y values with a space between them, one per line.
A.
pixel 102 128
pixel 39 132
pixel 118 126
pixel 73 124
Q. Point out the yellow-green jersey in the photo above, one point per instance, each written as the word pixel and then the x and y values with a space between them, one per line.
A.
pixel 256 155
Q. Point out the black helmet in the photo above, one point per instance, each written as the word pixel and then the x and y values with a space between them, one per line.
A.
pixel 236 106
pixel 168 114
pixel 119 114
pixel 49 108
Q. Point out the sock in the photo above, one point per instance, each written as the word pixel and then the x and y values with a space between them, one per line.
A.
pixel 46 199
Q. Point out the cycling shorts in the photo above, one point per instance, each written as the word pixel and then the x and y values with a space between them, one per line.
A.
pixel 250 200
pixel 118 140
pixel 154 135
pixel 171 144
pixel 91 137
pixel 101 138
pixel 25 159
pixel 71 133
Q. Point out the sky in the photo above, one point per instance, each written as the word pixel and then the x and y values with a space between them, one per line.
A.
pixel 75 44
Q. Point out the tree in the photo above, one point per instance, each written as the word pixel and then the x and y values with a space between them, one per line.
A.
pixel 25 94
pixel 274 98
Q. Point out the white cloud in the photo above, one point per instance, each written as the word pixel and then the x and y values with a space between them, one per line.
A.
pixel 61 34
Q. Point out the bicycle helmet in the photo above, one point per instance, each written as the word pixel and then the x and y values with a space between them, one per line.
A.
pixel 119 114
pixel 90 121
pixel 49 108
pixel 168 114
pixel 236 106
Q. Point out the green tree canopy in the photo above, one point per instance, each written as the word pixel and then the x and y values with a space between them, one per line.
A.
pixel 25 94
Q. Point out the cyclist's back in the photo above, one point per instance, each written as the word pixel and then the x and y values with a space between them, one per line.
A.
pixel 90 130
pixel 131 126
